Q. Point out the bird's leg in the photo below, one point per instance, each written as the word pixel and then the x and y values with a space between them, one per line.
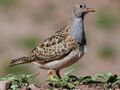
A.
pixel 50 75
pixel 58 73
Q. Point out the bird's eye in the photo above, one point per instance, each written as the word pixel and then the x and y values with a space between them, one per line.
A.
pixel 81 6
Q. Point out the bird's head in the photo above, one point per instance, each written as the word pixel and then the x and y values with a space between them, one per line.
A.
pixel 81 10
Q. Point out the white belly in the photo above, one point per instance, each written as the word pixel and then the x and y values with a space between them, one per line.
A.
pixel 68 60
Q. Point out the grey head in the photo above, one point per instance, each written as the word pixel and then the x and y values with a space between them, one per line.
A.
pixel 81 10
pixel 77 27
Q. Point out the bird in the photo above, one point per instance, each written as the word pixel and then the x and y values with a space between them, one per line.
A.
pixel 62 49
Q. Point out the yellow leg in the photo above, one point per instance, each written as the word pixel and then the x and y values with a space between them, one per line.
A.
pixel 50 75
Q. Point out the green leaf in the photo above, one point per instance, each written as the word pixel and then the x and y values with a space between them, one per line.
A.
pixel 15 87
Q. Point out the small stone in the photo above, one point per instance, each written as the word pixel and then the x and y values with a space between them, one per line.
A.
pixel 4 85
pixel 33 87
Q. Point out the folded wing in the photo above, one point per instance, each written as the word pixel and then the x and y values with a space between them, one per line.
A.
pixel 55 47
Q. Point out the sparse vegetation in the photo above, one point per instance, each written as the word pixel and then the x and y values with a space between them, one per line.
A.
pixel 18 81
pixel 68 82
pixel 71 82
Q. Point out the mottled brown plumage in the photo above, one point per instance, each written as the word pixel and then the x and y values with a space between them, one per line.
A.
pixel 62 49
pixel 56 46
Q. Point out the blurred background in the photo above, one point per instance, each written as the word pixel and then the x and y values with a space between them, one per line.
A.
pixel 25 23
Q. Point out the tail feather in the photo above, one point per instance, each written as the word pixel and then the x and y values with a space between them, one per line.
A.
pixel 21 60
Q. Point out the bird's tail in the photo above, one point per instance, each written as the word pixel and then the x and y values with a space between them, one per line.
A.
pixel 21 60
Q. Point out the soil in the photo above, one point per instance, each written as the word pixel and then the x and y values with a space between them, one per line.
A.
pixel 80 87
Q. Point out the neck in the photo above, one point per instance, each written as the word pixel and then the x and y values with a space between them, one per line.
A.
pixel 77 30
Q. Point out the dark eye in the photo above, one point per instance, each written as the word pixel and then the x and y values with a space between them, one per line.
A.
pixel 81 6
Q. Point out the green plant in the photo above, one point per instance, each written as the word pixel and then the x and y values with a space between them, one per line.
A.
pixel 19 81
pixel 68 82
pixel 71 82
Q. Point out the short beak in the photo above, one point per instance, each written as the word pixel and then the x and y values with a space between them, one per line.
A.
pixel 89 10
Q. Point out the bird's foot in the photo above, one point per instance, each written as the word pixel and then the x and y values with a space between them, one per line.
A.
pixel 50 75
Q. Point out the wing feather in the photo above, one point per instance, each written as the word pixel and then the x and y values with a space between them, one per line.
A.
pixel 55 47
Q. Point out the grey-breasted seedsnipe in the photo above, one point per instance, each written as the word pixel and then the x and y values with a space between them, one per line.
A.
pixel 62 49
